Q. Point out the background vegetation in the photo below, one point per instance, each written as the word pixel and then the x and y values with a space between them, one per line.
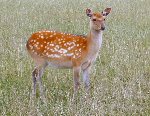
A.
pixel 120 79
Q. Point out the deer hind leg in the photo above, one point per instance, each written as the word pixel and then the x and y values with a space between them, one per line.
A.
pixel 34 79
pixel 36 76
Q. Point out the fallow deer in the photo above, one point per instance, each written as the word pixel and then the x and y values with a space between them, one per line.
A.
pixel 62 50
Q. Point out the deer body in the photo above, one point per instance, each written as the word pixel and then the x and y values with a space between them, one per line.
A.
pixel 57 49
pixel 63 50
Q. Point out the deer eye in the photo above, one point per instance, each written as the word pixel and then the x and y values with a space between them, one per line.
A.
pixel 94 20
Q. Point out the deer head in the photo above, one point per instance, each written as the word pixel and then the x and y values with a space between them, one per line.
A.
pixel 97 20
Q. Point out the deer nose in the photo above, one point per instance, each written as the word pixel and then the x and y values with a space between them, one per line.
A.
pixel 102 28
pixel 93 19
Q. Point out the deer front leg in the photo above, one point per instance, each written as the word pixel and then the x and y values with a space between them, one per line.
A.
pixel 86 79
pixel 86 76
pixel 76 76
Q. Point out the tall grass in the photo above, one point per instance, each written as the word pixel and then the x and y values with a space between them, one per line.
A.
pixel 120 79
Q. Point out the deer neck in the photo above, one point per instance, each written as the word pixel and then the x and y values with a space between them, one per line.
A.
pixel 94 42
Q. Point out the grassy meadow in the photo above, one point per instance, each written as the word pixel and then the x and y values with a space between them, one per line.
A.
pixel 120 77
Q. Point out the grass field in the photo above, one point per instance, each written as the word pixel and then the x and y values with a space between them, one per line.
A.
pixel 120 78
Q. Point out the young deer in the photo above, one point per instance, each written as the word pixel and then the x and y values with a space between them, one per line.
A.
pixel 63 50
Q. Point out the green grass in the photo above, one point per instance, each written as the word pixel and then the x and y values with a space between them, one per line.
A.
pixel 120 79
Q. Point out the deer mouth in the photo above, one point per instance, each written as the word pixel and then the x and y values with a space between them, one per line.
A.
pixel 97 27
pixel 102 28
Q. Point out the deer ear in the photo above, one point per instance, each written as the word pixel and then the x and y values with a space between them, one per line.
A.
pixel 106 11
pixel 88 12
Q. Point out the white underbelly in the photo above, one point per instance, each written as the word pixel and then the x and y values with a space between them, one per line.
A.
pixel 58 64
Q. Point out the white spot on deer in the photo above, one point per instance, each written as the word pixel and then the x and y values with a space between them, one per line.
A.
pixel 65 44
pixel 61 39
pixel 77 53
pixel 48 48
pixel 69 48
pixel 77 44
pixel 74 40
pixel 56 56
pixel 45 51
pixel 46 37
pixel 53 55
pixel 69 54
pixel 41 45
pixel 45 47
pixel 57 46
pixel 63 51
pixel 42 36
pixel 51 44
pixel 51 36
pixel 31 40
pixel 81 44
pixel 31 47
pixel 35 45
pixel 70 43
pixel 47 31
pixel 52 50
pixel 79 49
